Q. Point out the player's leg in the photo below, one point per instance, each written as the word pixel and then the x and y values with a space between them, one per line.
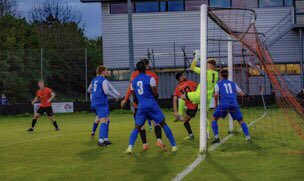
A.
pixel 34 121
pixel 49 112
pixel 107 124
pixel 141 117
pixel 237 115
pixel 158 134
pixel 181 110
pixel 157 115
pixel 188 116
pixel 95 126
pixel 142 132
pixel 220 112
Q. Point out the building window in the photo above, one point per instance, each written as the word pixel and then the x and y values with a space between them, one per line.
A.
pixel 176 5
pixel 281 68
pixel 293 69
pixel 118 8
pixel 288 3
pixel 194 5
pixel 271 3
pixel 141 7
pixel 163 6
pixel 220 3
pixel 245 3
pixel 120 75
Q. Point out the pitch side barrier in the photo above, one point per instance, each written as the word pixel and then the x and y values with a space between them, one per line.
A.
pixel 27 108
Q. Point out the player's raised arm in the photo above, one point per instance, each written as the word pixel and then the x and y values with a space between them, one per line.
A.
pixel 193 66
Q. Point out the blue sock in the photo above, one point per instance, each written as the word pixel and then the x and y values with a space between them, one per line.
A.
pixel 107 130
pixel 102 130
pixel 95 125
pixel 245 129
pixel 215 128
pixel 149 122
pixel 169 135
pixel 133 137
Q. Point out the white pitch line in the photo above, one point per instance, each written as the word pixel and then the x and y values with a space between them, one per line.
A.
pixel 200 158
pixel 190 168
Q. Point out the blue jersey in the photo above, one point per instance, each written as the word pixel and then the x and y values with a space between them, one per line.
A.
pixel 98 95
pixel 228 91
pixel 142 88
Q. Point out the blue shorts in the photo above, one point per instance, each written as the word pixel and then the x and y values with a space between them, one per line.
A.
pixel 222 110
pixel 152 113
pixel 102 111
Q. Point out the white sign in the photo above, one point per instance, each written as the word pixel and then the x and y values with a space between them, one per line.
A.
pixel 59 107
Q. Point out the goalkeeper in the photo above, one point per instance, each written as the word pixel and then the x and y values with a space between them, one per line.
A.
pixel 212 78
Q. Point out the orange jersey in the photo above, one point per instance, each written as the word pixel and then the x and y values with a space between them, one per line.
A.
pixel 183 88
pixel 133 76
pixel 44 95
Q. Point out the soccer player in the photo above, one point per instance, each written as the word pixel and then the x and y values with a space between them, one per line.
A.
pixel 183 87
pixel 144 90
pixel 212 79
pixel 99 104
pixel 95 123
pixel 157 127
pixel 226 92
pixel 45 95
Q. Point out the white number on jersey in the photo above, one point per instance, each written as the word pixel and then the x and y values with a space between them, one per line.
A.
pixel 141 89
pixel 95 86
pixel 228 88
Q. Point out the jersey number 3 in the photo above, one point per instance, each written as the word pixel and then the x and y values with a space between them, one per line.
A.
pixel 140 89
pixel 228 88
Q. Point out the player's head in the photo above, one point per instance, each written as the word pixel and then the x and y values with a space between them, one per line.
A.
pixel 141 67
pixel 102 70
pixel 224 74
pixel 180 76
pixel 3 96
pixel 41 84
pixel 211 63
pixel 147 63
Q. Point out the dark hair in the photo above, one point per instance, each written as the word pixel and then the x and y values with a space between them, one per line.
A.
pixel 145 60
pixel 211 61
pixel 178 75
pixel 41 80
pixel 224 73
pixel 141 66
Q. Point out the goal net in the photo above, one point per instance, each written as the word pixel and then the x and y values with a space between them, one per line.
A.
pixel 270 107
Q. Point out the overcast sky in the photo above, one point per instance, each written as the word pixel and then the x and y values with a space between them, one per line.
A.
pixel 91 14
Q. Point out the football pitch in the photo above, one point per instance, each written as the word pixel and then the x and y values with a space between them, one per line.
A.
pixel 70 154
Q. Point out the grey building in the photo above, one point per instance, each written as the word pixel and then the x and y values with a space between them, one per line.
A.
pixel 168 31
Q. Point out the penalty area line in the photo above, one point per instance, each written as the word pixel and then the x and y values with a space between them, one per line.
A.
pixel 200 158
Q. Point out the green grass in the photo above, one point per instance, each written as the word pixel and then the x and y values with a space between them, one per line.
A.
pixel 275 153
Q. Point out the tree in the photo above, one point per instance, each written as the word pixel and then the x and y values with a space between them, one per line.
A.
pixel 8 7
pixel 52 11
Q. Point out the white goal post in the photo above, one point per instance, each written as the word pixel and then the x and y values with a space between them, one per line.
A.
pixel 203 76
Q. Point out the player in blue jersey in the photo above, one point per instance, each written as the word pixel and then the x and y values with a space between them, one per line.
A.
pixel 144 91
pixel 101 89
pixel 226 92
